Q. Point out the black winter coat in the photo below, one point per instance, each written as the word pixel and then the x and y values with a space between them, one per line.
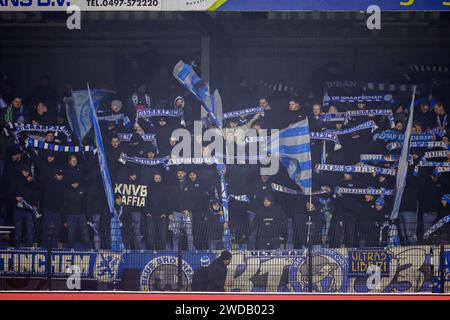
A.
pixel 74 201
pixel 25 189
pixel 217 274
pixel 51 189
pixel 200 280
pixel 181 193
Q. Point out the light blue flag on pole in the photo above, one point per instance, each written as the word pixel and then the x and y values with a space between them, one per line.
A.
pixel 186 75
pixel 116 238
pixel 402 171
pixel 78 110
pixel 292 145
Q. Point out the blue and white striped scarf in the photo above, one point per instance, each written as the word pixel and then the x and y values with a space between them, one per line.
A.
pixel 116 118
pixel 429 144
pixel 146 113
pixel 440 170
pixel 366 125
pixel 142 161
pixel 438 131
pixel 283 189
pixel 389 135
pixel 424 163
pixel 20 127
pixel 374 192
pixel 243 112
pixel 240 197
pixel 436 154
pixel 326 136
pixel 355 169
pixel 379 158
pixel 34 143
pixel 344 116
pixel 204 160
pixel 148 137
pixel 253 139
pixel 327 100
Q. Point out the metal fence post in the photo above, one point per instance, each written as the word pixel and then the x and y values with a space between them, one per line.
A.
pixel 179 260
pixel 49 256
pixel 310 268
pixel 442 267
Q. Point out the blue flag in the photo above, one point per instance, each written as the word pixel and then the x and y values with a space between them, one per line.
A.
pixel 402 171
pixel 116 238
pixel 211 103
pixel 78 109
pixel 292 144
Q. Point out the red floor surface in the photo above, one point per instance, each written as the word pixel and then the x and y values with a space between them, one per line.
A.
pixel 208 296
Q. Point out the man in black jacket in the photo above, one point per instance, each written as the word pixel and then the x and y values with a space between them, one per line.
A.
pixel 113 152
pixel 157 215
pixel 51 183
pixel 217 272
pixel 308 221
pixel 74 206
pixel 135 196
pixel 199 200
pixel 369 220
pixel 270 222
pixel 24 193
pixel 11 173
pixel 181 209
pixel 344 219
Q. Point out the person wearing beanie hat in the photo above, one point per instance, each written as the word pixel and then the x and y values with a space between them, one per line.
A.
pixel 445 199
pixel 217 272
pixel 116 106
pixel 200 276
pixel 51 184
pixel 187 119
pixel 380 201
pixel 269 225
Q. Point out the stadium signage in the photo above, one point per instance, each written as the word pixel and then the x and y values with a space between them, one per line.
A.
pixel 223 5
